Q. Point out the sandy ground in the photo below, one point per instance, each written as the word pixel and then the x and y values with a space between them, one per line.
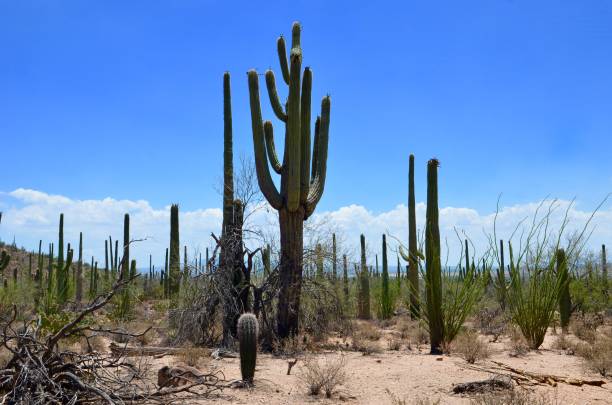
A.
pixel 409 375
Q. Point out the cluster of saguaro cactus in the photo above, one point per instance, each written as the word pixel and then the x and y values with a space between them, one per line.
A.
pixel 247 337
pixel 363 299
pixel 301 184
pixel 433 266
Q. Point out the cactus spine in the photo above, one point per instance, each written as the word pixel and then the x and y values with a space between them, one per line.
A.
pixel 386 304
pixel 565 301
pixel 175 260
pixel 433 266
pixel 363 307
pixel 247 337
pixel 301 184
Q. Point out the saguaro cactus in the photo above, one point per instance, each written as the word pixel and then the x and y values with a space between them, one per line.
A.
pixel 62 267
pixel 125 260
pixel 413 255
pixel 604 273
pixel 565 301
pixel 501 287
pixel 433 266
pixel 175 260
pixel 319 260
pixel 301 185
pixel 386 309
pixel 345 280
pixel 79 273
pixel 247 337
pixel 363 306
pixel 334 259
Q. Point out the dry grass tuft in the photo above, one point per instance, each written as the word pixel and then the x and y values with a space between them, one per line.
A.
pixel 469 346
pixel 323 376
pixel 366 347
pixel 598 355
pixel 517 345
pixel 368 331
pixel 394 344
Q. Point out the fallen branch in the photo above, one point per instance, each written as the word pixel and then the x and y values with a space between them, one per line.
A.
pixel 549 378
pixel 135 351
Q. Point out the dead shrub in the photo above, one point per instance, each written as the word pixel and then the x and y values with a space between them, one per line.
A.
pixel 93 343
pixel 323 376
pixel 585 327
pixel 491 322
pixel 469 346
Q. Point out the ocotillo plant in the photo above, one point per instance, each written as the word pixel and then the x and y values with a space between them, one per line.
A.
pixel 413 255
pixel 363 302
pixel 386 306
pixel 125 260
pixel 79 273
pixel 175 260
pixel 565 301
pixel 247 338
pixel 433 266
pixel 301 185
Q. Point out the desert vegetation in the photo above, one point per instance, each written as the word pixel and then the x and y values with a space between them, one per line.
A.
pixel 527 321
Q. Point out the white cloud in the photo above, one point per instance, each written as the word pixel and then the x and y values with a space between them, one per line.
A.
pixel 30 215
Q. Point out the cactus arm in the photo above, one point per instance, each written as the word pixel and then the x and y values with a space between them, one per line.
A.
pixel 317 184
pixel 273 95
pixel 269 134
pixel 268 189
pixel 305 134
pixel 282 57
pixel 315 150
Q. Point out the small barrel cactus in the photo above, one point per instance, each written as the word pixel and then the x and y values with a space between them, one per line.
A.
pixel 247 337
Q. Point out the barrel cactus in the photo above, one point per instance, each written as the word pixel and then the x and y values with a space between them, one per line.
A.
pixel 247 337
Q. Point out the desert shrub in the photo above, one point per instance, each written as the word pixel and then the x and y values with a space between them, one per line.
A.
pixel 598 355
pixel 323 376
pixel 491 322
pixel 517 344
pixel 469 346
pixel 514 397
pixel 93 343
pixel 368 331
pixel 364 346
pixel 293 346
pixel 405 327
pixel 585 326
pixel 321 310
pixel 192 356
pixel 394 344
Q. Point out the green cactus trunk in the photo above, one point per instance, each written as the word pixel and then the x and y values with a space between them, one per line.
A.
pixel 106 269
pixel 501 287
pixel 125 260
pixel 334 260
pixel 175 259
pixel 604 275
pixel 413 264
pixel 79 272
pixel 386 304
pixel 62 267
pixel 50 273
pixel 433 266
pixel 247 337
pixel 319 261
pixel 345 281
pixel 301 184
pixel 565 301
pixel 363 307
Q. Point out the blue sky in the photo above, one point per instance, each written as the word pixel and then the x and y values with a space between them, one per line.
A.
pixel 124 99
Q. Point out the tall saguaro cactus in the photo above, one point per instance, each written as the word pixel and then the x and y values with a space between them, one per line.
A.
pixel 433 265
pixel 413 255
pixel 175 260
pixel 386 309
pixel 302 181
pixel 62 267
pixel 79 273
pixel 565 301
pixel 363 302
